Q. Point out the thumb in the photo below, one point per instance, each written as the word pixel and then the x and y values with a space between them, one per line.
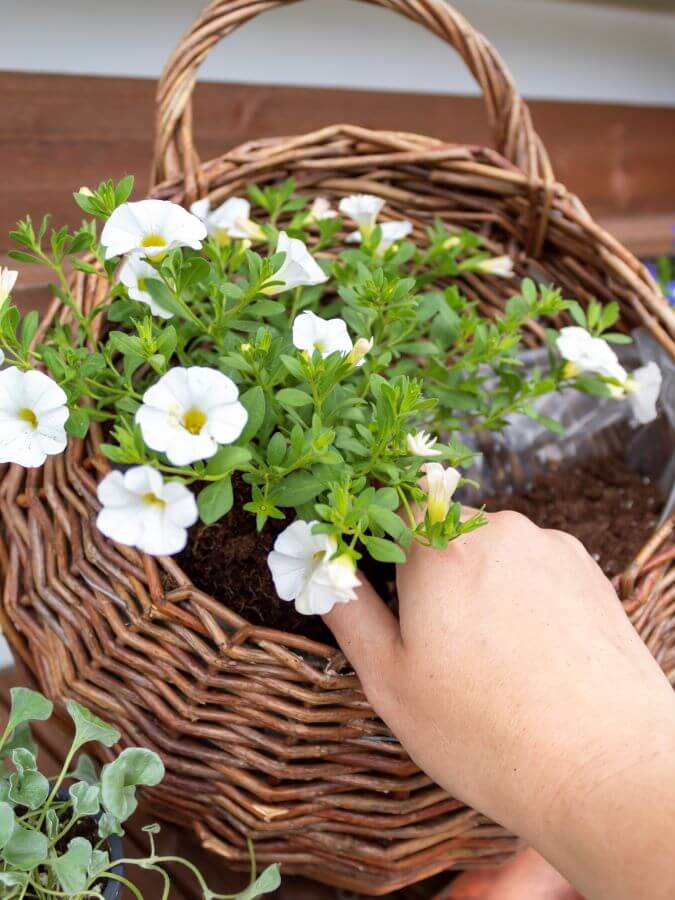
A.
pixel 367 631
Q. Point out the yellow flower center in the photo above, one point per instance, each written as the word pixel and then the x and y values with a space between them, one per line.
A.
pixel 319 556
pixel 154 240
pixel 571 370
pixel 153 500
pixel 221 237
pixel 320 346
pixel 27 415
pixel 141 284
pixel 194 420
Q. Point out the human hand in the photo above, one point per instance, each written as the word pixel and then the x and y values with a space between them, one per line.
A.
pixel 516 681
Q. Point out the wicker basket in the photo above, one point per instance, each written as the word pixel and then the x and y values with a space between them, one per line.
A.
pixel 268 734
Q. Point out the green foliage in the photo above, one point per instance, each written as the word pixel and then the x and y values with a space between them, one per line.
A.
pixel 324 437
pixel 41 855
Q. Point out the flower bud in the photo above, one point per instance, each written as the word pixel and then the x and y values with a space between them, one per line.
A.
pixel 359 351
pixel 442 484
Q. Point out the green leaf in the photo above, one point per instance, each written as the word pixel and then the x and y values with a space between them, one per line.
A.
pixel 89 727
pixel 85 799
pixel 25 849
pixel 123 190
pixel 78 423
pixel 28 706
pixel 227 458
pixel 296 489
pixel 109 825
pixel 267 881
pixel 276 449
pixel 292 397
pixel 7 820
pixel 21 737
pixel 119 779
pixel 86 770
pixel 383 550
pixel 27 786
pixel 253 402
pixel 72 868
pixel 388 521
pixel 215 501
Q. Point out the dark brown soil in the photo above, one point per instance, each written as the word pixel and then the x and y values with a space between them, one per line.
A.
pixel 609 508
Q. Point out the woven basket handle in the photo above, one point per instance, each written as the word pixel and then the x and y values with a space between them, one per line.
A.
pixel 508 116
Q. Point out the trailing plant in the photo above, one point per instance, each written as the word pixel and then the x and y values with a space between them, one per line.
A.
pixel 228 347
pixel 54 832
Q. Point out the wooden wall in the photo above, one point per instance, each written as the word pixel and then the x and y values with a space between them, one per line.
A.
pixel 60 132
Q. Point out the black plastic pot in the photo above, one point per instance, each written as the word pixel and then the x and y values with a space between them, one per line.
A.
pixel 113 889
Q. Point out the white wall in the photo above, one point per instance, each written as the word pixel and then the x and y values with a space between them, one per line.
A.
pixel 561 50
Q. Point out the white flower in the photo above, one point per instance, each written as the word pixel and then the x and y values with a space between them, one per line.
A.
pixel 321 209
pixel 33 412
pixel 230 220
pixel 310 333
pixel 189 412
pixel 392 232
pixel 362 209
pixel 643 388
pixel 586 353
pixel 422 444
pixel 360 350
pixel 441 485
pixel 498 265
pixel 133 274
pixel 7 281
pixel 303 570
pixel 140 509
pixel 299 267
pixel 151 228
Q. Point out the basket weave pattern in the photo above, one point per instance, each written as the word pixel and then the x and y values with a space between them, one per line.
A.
pixel 267 734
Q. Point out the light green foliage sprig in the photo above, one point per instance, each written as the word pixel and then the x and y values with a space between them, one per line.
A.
pixel 326 439
pixel 54 831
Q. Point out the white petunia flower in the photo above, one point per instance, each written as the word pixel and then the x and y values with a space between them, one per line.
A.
pixel 643 388
pixel 361 349
pixel 7 281
pixel 299 268
pixel 189 412
pixel 133 273
pixel 585 353
pixel 392 232
pixel 140 509
pixel 422 444
pixel 303 570
pixel 441 485
pixel 151 228
pixel 497 265
pixel 321 209
pixel 33 413
pixel 362 209
pixel 310 333
pixel 230 220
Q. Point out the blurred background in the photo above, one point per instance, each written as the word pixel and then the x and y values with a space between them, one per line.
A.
pixel 77 83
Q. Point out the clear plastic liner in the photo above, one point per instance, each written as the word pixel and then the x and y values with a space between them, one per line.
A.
pixel 595 428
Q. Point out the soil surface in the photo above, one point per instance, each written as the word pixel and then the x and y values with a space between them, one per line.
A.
pixel 611 509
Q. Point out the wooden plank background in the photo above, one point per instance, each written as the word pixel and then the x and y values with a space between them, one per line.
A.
pixel 60 132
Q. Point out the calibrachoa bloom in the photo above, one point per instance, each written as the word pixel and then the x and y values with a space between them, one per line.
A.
pixel 321 209
pixel 303 570
pixel 422 444
pixel 33 413
pixel 189 412
pixel 311 332
pixel 7 281
pixel 643 388
pixel 586 353
pixel 133 274
pixel 441 485
pixel 362 209
pixel 230 220
pixel 392 232
pixel 498 265
pixel 140 509
pixel 361 349
pixel 298 269
pixel 151 228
